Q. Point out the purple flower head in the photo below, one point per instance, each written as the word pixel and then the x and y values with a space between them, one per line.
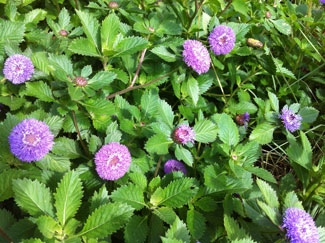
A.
pixel 222 40
pixel 243 119
pixel 112 161
pixel 183 134
pixel 18 69
pixel 30 140
pixel 300 226
pixel 196 56
pixel 322 1
pixel 174 165
pixel 290 120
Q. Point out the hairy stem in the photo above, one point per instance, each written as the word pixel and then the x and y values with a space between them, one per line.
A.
pixel 139 66
pixel 79 135
pixel 158 166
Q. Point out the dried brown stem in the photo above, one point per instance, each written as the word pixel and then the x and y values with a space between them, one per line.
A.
pixel 139 66
pixel 158 166
pixel 77 4
pixel 79 135
pixel 5 236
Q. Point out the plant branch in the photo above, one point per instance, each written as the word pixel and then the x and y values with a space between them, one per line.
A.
pixel 77 4
pixel 139 86
pixel 5 236
pixel 79 135
pixel 224 10
pixel 197 8
pixel 158 165
pixel 139 66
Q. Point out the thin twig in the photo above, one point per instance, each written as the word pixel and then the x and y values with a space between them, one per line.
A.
pixel 5 236
pixel 197 7
pixel 158 165
pixel 139 66
pixel 139 86
pixel 224 10
pixel 77 4
pixel 219 82
pixel 79 135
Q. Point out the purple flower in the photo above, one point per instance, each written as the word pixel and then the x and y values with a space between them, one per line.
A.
pixel 174 165
pixel 290 120
pixel 196 56
pixel 222 40
pixel 30 140
pixel 112 161
pixel 183 134
pixel 18 69
pixel 243 119
pixel 300 226
pixel 322 1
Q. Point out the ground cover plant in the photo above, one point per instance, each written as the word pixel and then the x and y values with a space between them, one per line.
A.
pixel 162 121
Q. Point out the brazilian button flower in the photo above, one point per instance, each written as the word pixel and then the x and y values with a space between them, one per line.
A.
pixel 196 56
pixel 300 226
pixel 290 120
pixel 112 161
pixel 174 165
pixel 30 140
pixel 243 119
pixel 18 69
pixel 222 40
pixel 183 134
pixel 322 1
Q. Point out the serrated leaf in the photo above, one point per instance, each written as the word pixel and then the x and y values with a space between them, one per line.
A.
pixel 40 90
pixel 131 195
pixel 11 32
pixel 90 27
pixel 136 230
pixel 109 31
pixel 272 213
pixel 240 6
pixel 291 200
pixel 262 173
pixel 178 231
pixel 207 204
pixel 106 219
pixel 232 228
pixel 193 89
pixel 158 144
pixel 274 101
pixel 68 197
pixel 196 223
pixel 166 113
pixel 262 133
pixel 83 46
pixel 66 147
pixel 149 103
pixel 54 162
pixel 33 197
pixel 64 18
pixel 6 219
pixel 269 194
pixel 227 130
pixel 282 26
pixel 61 63
pixel 101 79
pixel 164 54
pixel 176 194
pixel 99 198
pixel 13 102
pixel 183 154
pixel 308 114
pixel 166 214
pixel 55 124
pixel 205 131
pixel 47 226
pixel 139 179
pixel 99 106
pixel 130 46
pixel 35 16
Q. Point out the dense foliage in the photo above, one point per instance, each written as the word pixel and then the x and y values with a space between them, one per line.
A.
pixel 162 121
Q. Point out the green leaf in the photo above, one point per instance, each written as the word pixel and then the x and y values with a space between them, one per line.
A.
pixel 40 60
pixel 139 179
pixel 83 46
pixel 11 32
pixel 33 197
pixel 240 6
pixel 272 213
pixel 90 27
pixel 99 106
pixel 109 31
pixel 291 200
pixel 164 54
pixel 274 101
pixel 205 131
pixel 308 114
pixel 101 79
pixel 35 16
pixel 158 144
pixel 106 219
pixel 61 63
pixel 166 214
pixel 195 223
pixel 176 194
pixel 99 198
pixel 6 219
pixel 262 173
pixel 47 226
pixel 54 162
pixel 136 230
pixel 130 46
pixel 268 193
pixel 183 154
pixel 64 18
pixel 131 195
pixel 55 124
pixel 149 103
pixel 207 204
pixel 68 197
pixel 244 240
pixel 227 130
pixel 262 133
pixel 40 90
pixel 282 26
pixel 166 113
pixel 193 89
pixel 233 230
pixel 178 231
pixel 13 102
pixel 66 147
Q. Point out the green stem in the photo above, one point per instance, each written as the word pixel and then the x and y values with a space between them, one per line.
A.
pixel 158 166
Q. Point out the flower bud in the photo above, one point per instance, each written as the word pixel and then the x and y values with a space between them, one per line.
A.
pixel 113 5
pixel 151 29
pixel 80 81
pixel 268 14
pixel 254 43
pixel 63 33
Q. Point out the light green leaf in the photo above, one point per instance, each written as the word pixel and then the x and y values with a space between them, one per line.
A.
pixel 136 229
pixel 68 197
pixel 240 6
pixel 282 26
pixel 272 213
pixel 227 130
pixel 178 231
pixel 164 54
pixel 99 198
pixel 109 31
pixel 308 114
pixel 166 214
pixel 274 101
pixel 106 219
pixel 193 89
pixel 130 46
pixel 83 46
pixel 129 194
pixel 64 18
pixel 183 154
pixel 262 133
pixel 66 147
pixel 268 193
pixel 90 27
pixel 35 16
pixel 158 144
pixel 233 229
pixel 54 162
pixel 262 173
pixel 195 223
pixel 149 103
pixel 166 113
pixel 205 131
pixel 40 90
pixel 291 200
pixel 33 197
pixel 101 79
pixel 47 226
pixel 11 32
pixel 139 179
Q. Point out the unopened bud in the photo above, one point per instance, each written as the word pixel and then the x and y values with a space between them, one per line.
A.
pixel 254 43
pixel 80 81
pixel 268 14
pixel 63 33
pixel 151 29
pixel 113 5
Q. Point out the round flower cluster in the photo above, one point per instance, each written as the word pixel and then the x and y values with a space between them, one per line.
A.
pixel 322 1
pixel 30 140
pixel 196 56
pixel 18 69
pixel 183 134
pixel 290 120
pixel 300 226
pixel 174 165
pixel 112 161
pixel 222 40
